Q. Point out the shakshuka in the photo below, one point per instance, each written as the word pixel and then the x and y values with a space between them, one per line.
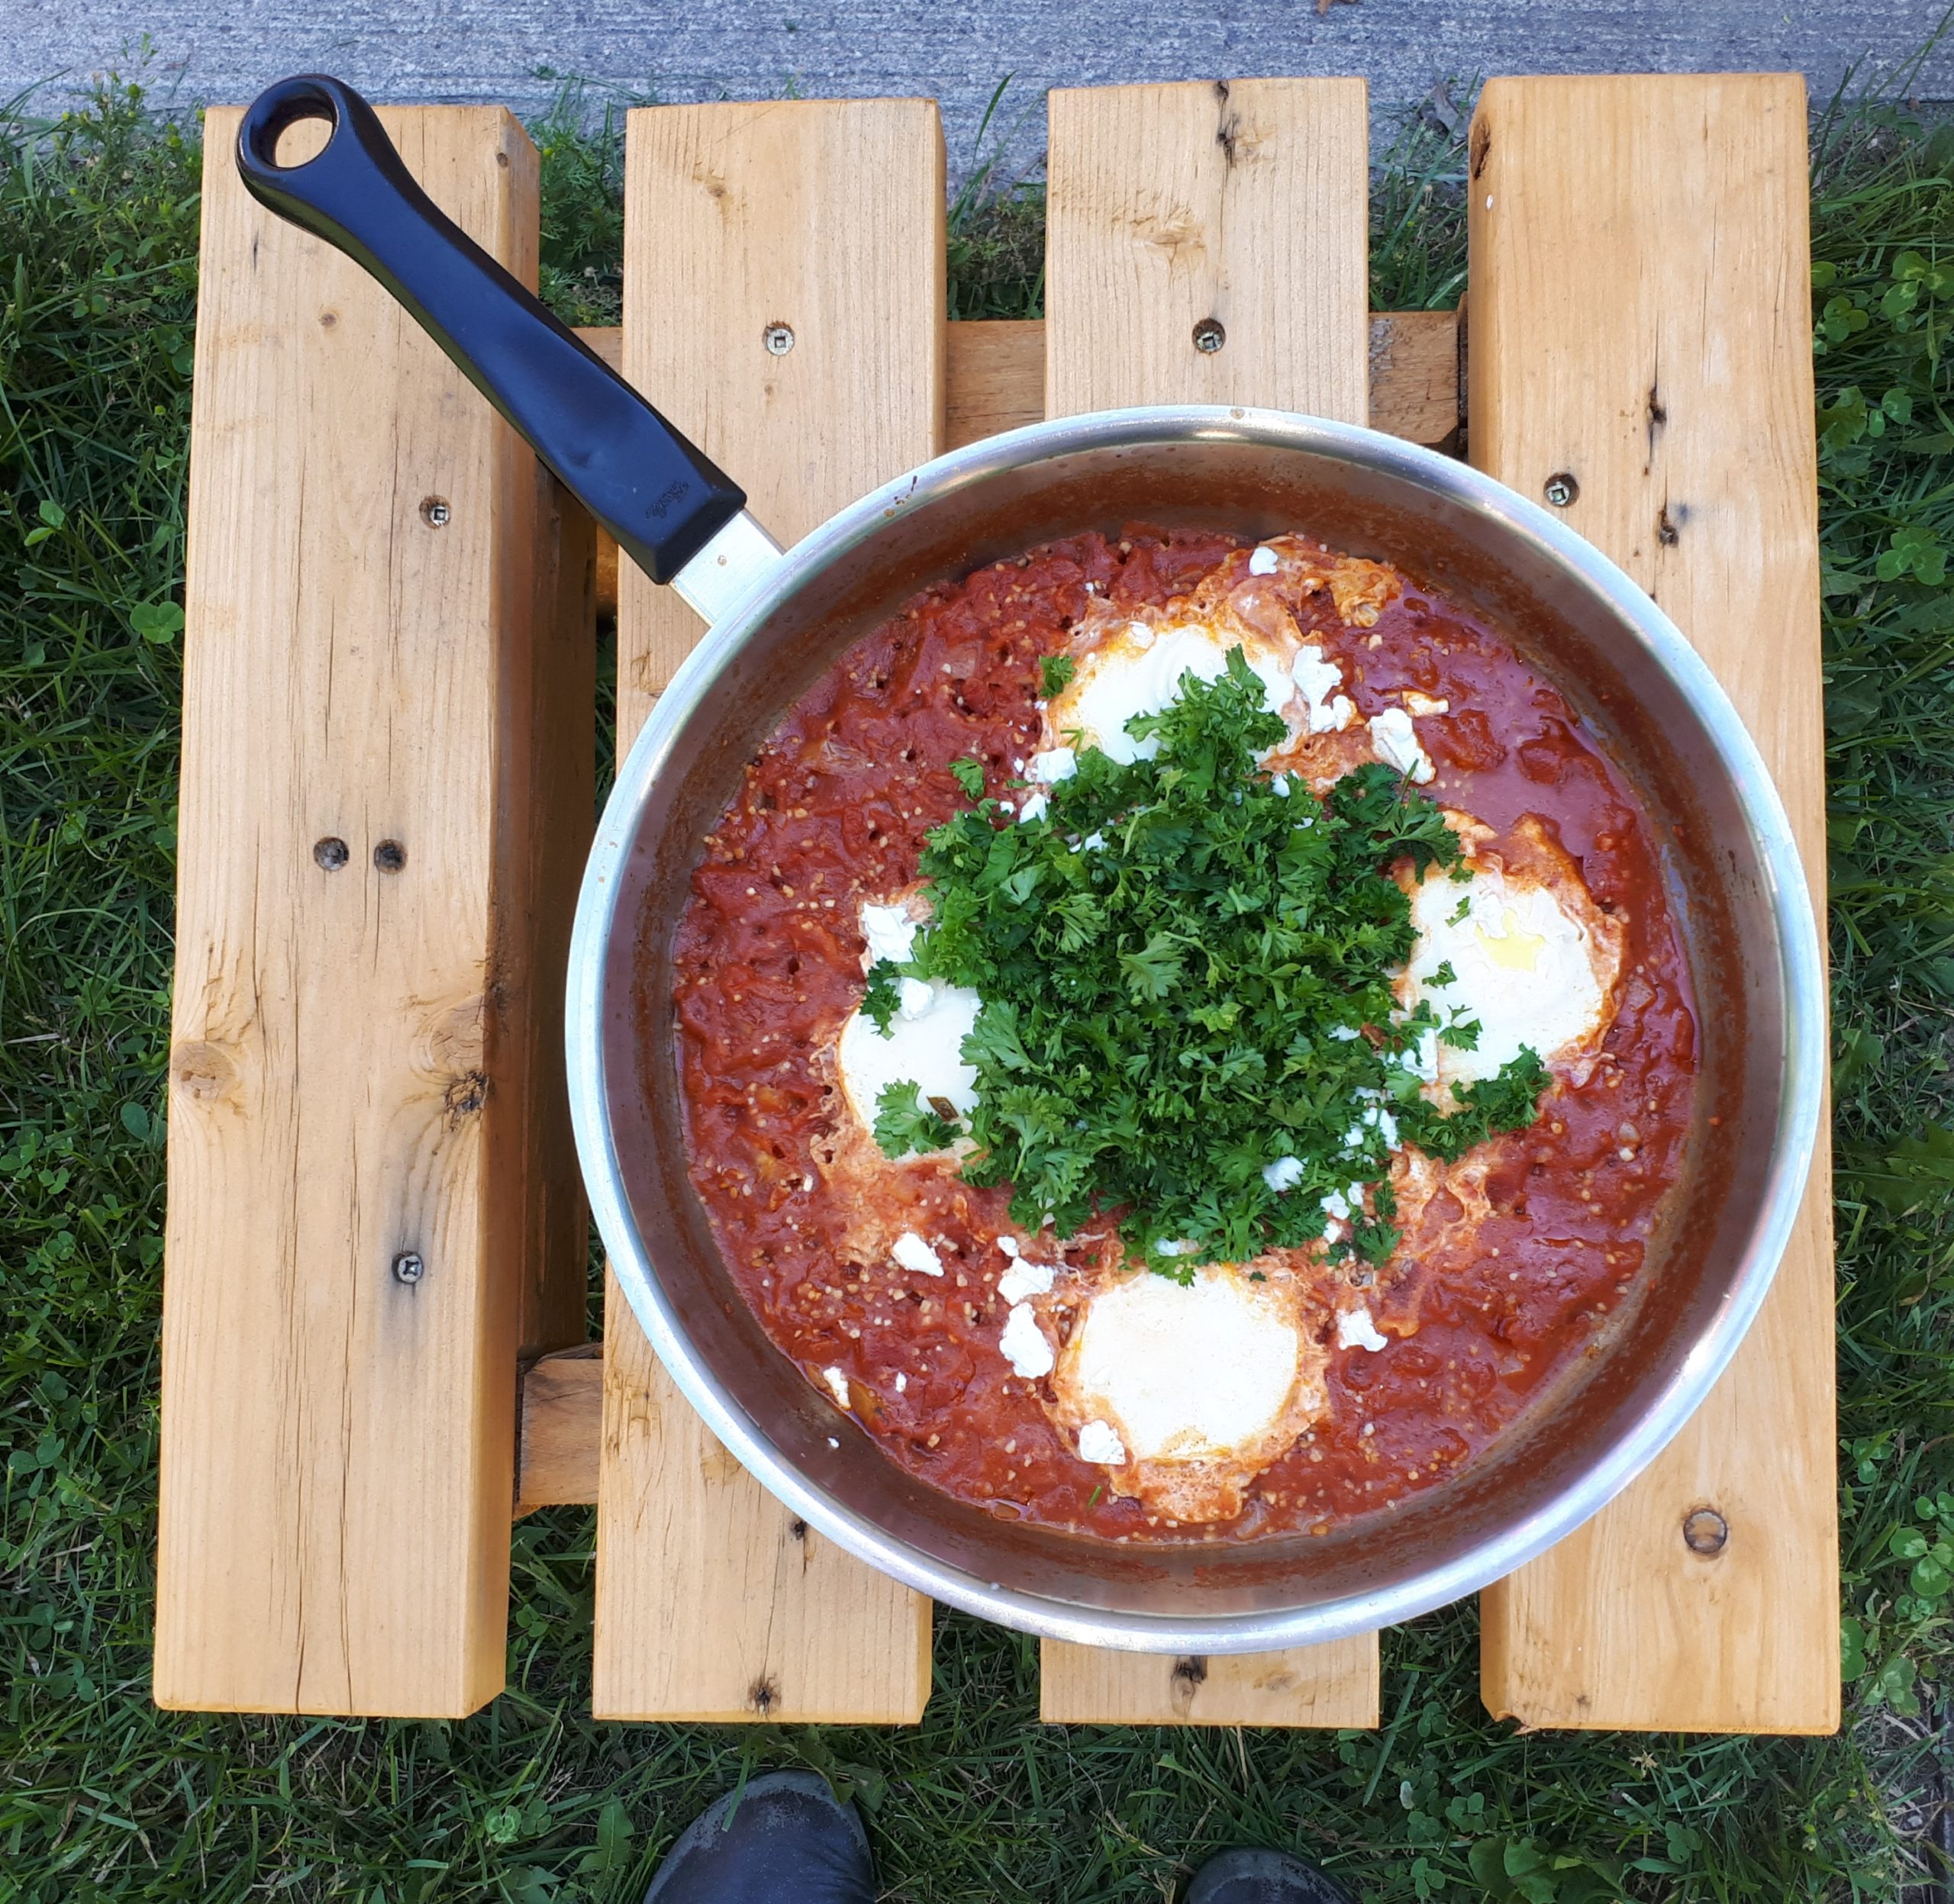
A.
pixel 1054 1377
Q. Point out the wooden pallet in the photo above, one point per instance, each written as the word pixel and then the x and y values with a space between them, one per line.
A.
pixel 360 1064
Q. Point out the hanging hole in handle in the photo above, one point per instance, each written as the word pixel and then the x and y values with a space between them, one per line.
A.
pixel 297 128
pixel 300 141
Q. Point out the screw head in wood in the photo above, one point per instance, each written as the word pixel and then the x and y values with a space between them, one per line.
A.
pixel 1705 1532
pixel 435 512
pixel 408 1267
pixel 779 339
pixel 1560 489
pixel 390 855
pixel 331 852
pixel 1209 337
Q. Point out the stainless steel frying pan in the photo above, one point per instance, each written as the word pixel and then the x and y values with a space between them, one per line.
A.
pixel 777 620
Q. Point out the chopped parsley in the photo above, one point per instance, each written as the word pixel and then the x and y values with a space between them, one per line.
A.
pixel 1200 993
pixel 905 1124
pixel 1057 671
pixel 884 995
pixel 969 774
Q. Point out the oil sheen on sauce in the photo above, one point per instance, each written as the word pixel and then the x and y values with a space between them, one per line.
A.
pixel 769 962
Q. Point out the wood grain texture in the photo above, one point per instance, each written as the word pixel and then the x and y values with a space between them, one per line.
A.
pixel 712 1602
pixel 560 1428
pixel 363 1060
pixel 994 381
pixel 1677 389
pixel 1172 205
pixel 1248 203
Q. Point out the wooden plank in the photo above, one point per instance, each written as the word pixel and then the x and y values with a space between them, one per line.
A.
pixel 361 1065
pixel 559 1425
pixel 994 381
pixel 712 1602
pixel 1240 203
pixel 1245 203
pixel 1678 393
pixel 1332 1685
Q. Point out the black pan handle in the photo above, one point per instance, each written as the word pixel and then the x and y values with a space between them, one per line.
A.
pixel 660 496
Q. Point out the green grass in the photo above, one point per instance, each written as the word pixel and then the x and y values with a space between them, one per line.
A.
pixel 102 1796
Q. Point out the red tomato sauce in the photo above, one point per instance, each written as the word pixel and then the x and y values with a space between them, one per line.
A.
pixel 768 963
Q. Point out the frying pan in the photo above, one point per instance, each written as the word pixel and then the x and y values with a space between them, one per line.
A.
pixel 777 620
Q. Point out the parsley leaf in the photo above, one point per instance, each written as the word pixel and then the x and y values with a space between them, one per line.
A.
pixel 1187 981
pixel 1058 671
pixel 969 776
pixel 883 995
pixel 904 1123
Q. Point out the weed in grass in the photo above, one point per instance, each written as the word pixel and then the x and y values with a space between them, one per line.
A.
pixel 104 1797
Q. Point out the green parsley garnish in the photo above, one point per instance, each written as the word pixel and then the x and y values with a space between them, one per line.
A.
pixel 1186 979
pixel 905 1124
pixel 1058 671
pixel 1444 975
pixel 969 776
pixel 884 995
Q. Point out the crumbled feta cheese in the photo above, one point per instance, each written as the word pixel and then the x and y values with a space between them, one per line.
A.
pixel 891 933
pixel 837 1384
pixel 1422 704
pixel 1053 765
pixel 914 997
pixel 1393 740
pixel 1376 1118
pixel 1035 806
pixel 1317 681
pixel 1355 1329
pixel 1093 843
pixel 1164 1247
pixel 1345 1033
pixel 1008 1244
pixel 1280 782
pixel 1332 1232
pixel 910 1253
pixel 1024 1344
pixel 1335 1204
pixel 1264 561
pixel 1025 1278
pixel 1284 1174
pixel 1097 1443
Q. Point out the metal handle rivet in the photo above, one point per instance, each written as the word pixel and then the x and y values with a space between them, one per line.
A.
pixel 1560 489
pixel 779 339
pixel 331 852
pixel 408 1267
pixel 1704 1531
pixel 435 512
pixel 1209 337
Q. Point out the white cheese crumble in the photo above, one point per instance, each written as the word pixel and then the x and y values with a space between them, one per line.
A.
pixel 1280 782
pixel 1355 1329
pixel 1053 765
pixel 1008 1244
pixel 1035 806
pixel 909 1251
pixel 891 933
pixel 1264 561
pixel 1164 1247
pixel 1025 1278
pixel 1284 1174
pixel 914 997
pixel 901 1381
pixel 1097 1443
pixel 837 1384
pixel 1393 740
pixel 1024 1344
pixel 1317 681
pixel 1338 1205
pixel 1093 843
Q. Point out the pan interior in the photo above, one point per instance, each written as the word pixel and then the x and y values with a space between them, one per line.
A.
pixel 1596 649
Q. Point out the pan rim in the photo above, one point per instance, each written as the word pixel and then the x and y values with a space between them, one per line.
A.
pixel 1803 1032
